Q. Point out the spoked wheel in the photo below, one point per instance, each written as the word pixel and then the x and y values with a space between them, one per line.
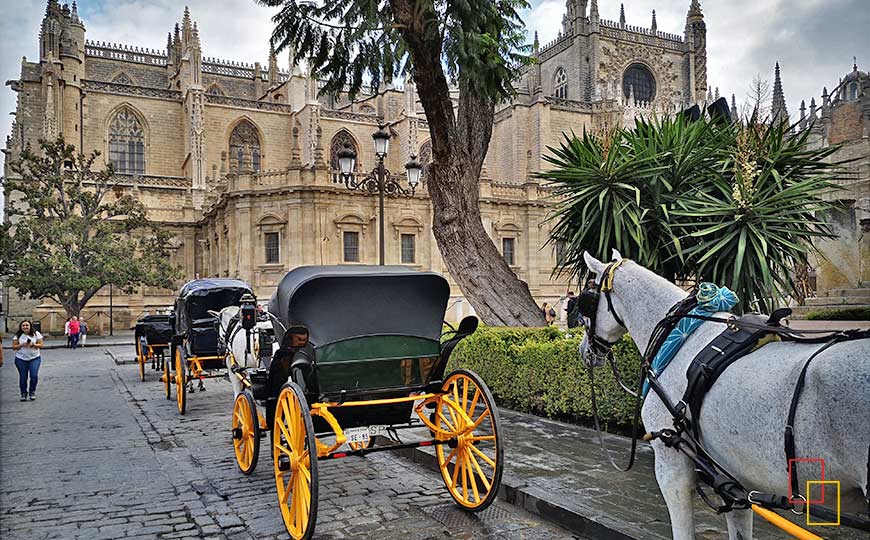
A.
pixel 246 432
pixel 142 358
pixel 472 467
pixel 180 380
pixel 167 376
pixel 295 466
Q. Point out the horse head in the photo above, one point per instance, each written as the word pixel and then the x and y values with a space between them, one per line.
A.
pixel 604 326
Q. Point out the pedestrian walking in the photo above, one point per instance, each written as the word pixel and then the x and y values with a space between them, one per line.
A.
pixel 67 334
pixel 27 345
pixel 74 329
pixel 548 312
pixel 571 310
pixel 83 331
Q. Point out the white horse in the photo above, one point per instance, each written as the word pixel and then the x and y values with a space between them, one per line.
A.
pixel 744 414
pixel 244 355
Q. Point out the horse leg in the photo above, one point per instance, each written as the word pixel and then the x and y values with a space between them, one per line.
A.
pixel 676 478
pixel 739 524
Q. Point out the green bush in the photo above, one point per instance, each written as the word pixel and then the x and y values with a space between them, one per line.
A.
pixel 848 314
pixel 538 370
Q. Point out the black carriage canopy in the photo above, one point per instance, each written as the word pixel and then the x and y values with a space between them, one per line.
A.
pixel 199 296
pixel 346 301
pixel 155 328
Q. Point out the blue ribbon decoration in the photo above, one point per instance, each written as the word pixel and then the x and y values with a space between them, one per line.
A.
pixel 711 299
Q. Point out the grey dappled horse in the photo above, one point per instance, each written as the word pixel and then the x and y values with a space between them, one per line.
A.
pixel 744 413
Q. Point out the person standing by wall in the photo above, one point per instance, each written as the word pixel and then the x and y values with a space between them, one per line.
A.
pixel 27 346
pixel 74 330
pixel 83 331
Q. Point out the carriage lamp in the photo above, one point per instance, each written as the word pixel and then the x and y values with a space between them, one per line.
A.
pixel 382 141
pixel 248 311
pixel 414 169
pixel 378 182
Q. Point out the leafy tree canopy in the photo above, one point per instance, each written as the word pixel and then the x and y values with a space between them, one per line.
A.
pixel 70 230
pixel 736 204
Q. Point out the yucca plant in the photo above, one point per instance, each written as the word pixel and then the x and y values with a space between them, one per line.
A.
pixel 757 220
pixel 738 205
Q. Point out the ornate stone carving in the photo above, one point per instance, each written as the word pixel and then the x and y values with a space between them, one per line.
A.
pixel 248 103
pixel 123 89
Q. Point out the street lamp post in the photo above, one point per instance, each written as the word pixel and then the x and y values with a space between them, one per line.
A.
pixel 378 180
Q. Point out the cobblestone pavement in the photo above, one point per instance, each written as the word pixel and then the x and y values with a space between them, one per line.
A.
pixel 101 455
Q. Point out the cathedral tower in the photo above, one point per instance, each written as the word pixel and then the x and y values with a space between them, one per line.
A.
pixel 696 54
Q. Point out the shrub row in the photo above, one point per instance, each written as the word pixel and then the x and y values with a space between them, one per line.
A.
pixel 847 314
pixel 538 370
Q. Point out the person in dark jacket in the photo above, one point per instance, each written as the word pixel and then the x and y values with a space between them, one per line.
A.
pixel 571 308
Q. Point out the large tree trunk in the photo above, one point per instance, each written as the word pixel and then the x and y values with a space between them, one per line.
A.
pixel 459 145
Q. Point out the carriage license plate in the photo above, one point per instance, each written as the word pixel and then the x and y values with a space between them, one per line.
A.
pixel 363 434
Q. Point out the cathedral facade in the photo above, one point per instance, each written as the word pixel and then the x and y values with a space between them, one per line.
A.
pixel 239 161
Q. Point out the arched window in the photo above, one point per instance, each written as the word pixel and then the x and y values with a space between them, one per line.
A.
pixel 560 84
pixel 339 141
pixel 244 138
pixel 853 91
pixel 639 78
pixel 127 143
pixel 425 158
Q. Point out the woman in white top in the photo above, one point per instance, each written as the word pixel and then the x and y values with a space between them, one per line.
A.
pixel 27 345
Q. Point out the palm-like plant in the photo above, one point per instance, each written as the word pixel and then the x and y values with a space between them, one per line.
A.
pixel 736 205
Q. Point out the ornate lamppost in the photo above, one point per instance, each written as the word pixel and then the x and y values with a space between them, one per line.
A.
pixel 378 180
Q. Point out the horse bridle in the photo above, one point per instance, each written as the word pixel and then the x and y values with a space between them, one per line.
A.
pixel 587 307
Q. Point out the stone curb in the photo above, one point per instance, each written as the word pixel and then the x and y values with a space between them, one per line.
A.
pixel 118 360
pixel 46 346
pixel 518 494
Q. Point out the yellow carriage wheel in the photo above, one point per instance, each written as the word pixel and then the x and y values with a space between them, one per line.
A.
pixel 471 466
pixel 140 356
pixel 246 432
pixel 167 376
pixel 180 380
pixel 295 460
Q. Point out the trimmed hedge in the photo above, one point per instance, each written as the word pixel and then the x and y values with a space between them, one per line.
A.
pixel 847 314
pixel 538 370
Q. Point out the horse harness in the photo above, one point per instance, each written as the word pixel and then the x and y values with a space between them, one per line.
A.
pixel 742 336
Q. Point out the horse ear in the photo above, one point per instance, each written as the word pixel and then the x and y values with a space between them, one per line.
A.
pixel 615 255
pixel 593 264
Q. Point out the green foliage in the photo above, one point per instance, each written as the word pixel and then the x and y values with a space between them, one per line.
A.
pixel 538 370
pixel 848 314
pixel 737 205
pixel 357 42
pixel 72 232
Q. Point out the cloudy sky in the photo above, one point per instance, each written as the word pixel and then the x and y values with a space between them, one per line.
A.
pixel 814 40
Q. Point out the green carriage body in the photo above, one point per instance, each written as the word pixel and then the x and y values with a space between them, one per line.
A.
pixel 373 333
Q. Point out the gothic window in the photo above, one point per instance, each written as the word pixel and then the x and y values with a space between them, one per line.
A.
pixel 339 141
pixel 560 84
pixel 123 78
pixel 639 79
pixel 127 143
pixel 425 158
pixel 853 91
pixel 244 138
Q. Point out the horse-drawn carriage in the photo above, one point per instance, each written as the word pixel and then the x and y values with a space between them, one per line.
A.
pixel 195 349
pixel 361 353
pixel 152 336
